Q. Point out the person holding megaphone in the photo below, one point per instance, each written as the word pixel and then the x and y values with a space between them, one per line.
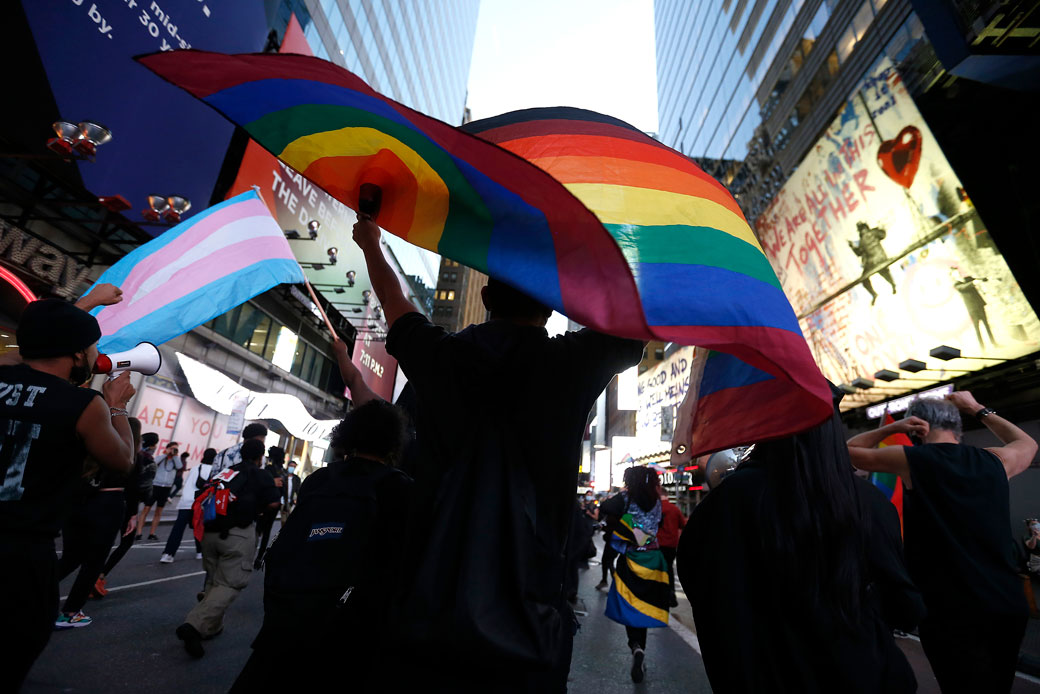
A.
pixel 48 425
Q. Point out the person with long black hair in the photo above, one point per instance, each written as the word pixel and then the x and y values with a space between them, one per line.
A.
pixel 640 594
pixel 795 575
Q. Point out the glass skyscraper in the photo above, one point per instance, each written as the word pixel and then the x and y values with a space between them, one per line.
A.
pixel 417 53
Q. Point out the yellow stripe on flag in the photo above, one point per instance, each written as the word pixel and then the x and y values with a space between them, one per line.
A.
pixel 645 573
pixel 644 607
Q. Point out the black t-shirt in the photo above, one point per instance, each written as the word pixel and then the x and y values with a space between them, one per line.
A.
pixel 502 389
pixel 41 455
pixel 959 546
pixel 254 491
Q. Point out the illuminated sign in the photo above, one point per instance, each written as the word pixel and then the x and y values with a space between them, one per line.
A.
pixel 901 404
pixel 41 260
pixel 219 392
pixel 882 253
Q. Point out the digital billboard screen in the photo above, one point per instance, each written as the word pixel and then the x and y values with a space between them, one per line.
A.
pixel 883 255
pixel 164 141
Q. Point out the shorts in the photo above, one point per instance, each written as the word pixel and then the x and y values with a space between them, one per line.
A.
pixel 161 495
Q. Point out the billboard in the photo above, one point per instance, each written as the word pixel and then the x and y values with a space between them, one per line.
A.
pixel 882 253
pixel 660 390
pixel 164 141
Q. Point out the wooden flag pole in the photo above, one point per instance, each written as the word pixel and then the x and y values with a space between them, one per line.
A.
pixel 314 298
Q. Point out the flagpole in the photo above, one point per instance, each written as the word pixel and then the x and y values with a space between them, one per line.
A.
pixel 314 298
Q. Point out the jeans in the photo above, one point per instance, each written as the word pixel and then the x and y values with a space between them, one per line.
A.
pixel 86 537
pixel 173 542
pixel 31 607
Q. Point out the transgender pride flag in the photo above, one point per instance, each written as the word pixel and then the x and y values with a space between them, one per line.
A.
pixel 195 272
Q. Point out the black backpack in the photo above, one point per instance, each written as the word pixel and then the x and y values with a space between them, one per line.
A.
pixel 319 556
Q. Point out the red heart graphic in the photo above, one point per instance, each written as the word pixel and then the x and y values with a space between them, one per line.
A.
pixel 899 158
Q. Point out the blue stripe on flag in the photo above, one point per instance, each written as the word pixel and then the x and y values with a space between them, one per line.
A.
pixel 118 273
pixel 204 304
pixel 723 371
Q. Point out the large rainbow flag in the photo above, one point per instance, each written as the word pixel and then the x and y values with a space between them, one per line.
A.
pixel 636 242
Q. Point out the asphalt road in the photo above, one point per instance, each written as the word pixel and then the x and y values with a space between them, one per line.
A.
pixel 131 647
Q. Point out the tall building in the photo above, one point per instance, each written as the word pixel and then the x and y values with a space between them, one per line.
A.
pixel 859 138
pixel 456 302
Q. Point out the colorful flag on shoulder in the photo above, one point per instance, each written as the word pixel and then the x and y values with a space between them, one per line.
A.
pixel 194 272
pixel 892 485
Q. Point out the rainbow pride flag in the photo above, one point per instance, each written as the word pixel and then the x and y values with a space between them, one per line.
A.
pixel 891 485
pixel 636 242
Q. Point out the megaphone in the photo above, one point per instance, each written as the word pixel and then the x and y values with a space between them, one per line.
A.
pixel 144 358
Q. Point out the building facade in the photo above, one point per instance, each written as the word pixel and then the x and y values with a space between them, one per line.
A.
pixel 457 302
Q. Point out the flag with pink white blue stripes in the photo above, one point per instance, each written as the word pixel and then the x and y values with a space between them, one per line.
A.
pixel 194 272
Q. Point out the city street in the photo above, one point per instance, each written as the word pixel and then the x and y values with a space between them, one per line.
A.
pixel 131 647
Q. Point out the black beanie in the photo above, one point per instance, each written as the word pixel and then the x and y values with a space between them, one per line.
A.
pixel 55 328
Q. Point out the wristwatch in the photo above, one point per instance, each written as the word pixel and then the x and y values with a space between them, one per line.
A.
pixel 984 412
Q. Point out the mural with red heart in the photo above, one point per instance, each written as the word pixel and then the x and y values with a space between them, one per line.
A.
pixel 900 157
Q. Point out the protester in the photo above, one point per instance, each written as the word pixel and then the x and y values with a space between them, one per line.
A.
pixel 133 492
pixel 86 535
pixel 500 413
pixel 794 584
pixel 178 479
pixel 640 592
pixel 196 476
pixel 227 545
pixel 276 469
pixel 1031 544
pixel 145 469
pixel 232 455
pixel 336 593
pixel 290 490
pixel 609 553
pixel 166 467
pixel 52 425
pixel 672 523
pixel 959 547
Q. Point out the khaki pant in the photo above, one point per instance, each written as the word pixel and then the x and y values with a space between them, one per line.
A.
pixel 229 564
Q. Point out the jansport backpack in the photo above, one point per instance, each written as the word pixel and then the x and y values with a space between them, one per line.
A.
pixel 319 555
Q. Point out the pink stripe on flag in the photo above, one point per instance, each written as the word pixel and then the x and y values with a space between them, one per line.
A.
pixel 229 260
pixel 151 264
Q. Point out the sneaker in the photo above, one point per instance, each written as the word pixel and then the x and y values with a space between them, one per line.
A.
pixel 638 667
pixel 192 640
pixel 151 537
pixel 602 585
pixel 198 555
pixel 137 539
pixel 72 621
pixel 99 588
pixel 166 559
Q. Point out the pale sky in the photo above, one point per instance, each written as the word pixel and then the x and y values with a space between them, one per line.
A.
pixel 593 54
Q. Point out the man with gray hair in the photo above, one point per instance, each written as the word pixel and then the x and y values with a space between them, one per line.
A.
pixel 957 536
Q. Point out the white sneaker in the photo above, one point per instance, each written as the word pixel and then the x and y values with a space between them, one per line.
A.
pixel 166 559
pixel 198 555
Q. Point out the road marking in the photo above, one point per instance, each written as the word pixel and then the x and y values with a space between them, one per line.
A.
pixel 148 583
pixel 685 634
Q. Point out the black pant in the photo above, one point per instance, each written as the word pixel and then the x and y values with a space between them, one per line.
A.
pixel 636 637
pixel 609 555
pixel 31 605
pixel 127 540
pixel 85 539
pixel 263 531
pixel 669 556
pixel 177 533
pixel 973 653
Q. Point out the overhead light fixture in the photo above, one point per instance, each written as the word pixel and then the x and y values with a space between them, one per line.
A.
pixel 912 365
pixel 157 204
pixel 178 206
pixel 292 234
pixel 377 313
pixel 886 375
pixel 366 295
pixel 115 203
pixel 863 383
pixel 356 310
pixel 339 290
pixel 332 253
pixel 317 266
pixel 846 388
pixel 944 352
pixel 351 276
pixel 312 228
pixel 67 136
pixel 92 136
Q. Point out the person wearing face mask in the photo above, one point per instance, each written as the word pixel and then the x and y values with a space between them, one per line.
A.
pixel 50 425
pixel 290 488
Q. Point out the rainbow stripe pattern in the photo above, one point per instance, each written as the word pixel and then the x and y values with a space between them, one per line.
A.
pixel 194 272
pixel 636 242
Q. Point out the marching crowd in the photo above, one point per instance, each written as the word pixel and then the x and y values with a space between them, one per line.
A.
pixel 445 526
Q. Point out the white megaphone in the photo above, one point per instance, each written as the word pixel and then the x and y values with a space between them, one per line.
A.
pixel 144 358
